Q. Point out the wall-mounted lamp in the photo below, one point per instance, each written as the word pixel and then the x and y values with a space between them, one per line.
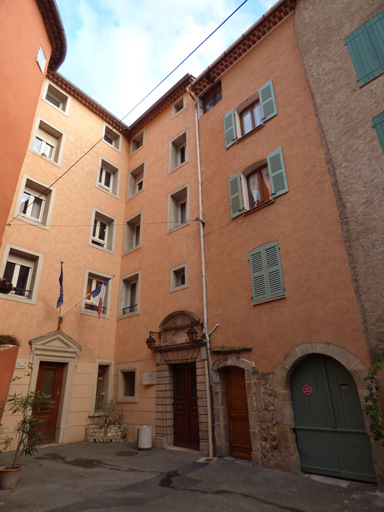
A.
pixel 192 333
pixel 151 340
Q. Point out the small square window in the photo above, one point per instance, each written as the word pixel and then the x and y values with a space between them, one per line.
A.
pixel 56 97
pixel 132 239
pixel 178 107
pixel 103 231
pixel 178 208
pixel 92 281
pixel 178 153
pixel 47 142
pixel 111 137
pixel 212 98
pixel 179 277
pixel 130 295
pixel 35 202
pixel 108 178
pixel 137 142
pixel 136 180
pixel 21 268
pixel 127 384
pixel 41 59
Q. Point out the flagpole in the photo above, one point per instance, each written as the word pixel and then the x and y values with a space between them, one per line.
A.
pixel 61 263
pixel 78 302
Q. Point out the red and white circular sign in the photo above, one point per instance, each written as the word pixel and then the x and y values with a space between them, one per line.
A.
pixel 307 389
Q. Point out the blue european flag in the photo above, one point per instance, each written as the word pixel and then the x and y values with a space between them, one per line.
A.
pixel 60 300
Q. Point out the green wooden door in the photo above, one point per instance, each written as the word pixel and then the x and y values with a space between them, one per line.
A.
pixel 330 430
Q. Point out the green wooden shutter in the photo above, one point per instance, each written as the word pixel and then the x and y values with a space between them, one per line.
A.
pixel 229 129
pixel 378 124
pixel 366 48
pixel 235 196
pixel 277 173
pixel 258 277
pixel 266 272
pixel 267 101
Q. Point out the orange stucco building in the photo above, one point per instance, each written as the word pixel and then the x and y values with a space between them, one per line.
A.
pixel 214 214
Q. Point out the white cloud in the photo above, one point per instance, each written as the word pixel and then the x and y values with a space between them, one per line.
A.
pixel 118 50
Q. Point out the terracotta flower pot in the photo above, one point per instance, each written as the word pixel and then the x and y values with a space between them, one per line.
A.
pixel 9 477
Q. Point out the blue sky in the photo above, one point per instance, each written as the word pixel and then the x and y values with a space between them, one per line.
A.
pixel 118 50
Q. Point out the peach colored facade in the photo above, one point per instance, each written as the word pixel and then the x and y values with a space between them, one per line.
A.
pixel 21 79
pixel 176 249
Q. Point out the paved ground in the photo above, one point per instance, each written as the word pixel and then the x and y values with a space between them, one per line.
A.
pixel 88 477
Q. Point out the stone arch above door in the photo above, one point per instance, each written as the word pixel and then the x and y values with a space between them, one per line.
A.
pixel 285 369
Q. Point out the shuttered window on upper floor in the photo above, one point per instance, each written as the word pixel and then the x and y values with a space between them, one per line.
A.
pixel 266 272
pixel 366 48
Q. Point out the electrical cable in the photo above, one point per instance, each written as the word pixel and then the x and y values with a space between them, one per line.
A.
pixel 141 101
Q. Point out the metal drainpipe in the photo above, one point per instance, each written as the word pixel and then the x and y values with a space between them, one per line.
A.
pixel 208 378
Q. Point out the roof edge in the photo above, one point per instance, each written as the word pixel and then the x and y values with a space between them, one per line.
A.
pixel 55 30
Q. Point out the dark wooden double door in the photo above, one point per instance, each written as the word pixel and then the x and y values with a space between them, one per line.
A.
pixel 329 424
pixel 49 382
pixel 239 436
pixel 186 417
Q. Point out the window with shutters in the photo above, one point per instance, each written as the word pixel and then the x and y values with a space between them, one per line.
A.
pixel 130 295
pixel 127 384
pixel 35 202
pixel 41 59
pixel 366 48
pixel 266 273
pixel 108 178
pixel 378 124
pixel 132 239
pixel 250 115
pixel 258 185
pixel 22 269
pixel 103 231
pixel 47 142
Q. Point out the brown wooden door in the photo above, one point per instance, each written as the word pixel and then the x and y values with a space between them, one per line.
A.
pixel 186 418
pixel 237 413
pixel 49 382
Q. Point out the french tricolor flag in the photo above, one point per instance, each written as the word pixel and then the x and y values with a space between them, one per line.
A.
pixel 97 296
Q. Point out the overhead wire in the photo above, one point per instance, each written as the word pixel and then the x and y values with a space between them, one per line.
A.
pixel 126 115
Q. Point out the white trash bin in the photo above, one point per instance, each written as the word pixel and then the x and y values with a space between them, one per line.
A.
pixel 144 437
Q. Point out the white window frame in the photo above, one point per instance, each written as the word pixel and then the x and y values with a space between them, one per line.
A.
pixel 138 142
pixel 109 244
pixel 135 176
pixel 106 166
pixel 173 278
pixel 124 302
pixel 113 135
pixel 22 256
pixel 109 386
pixel 175 199
pixel 49 134
pixel 121 384
pixel 102 277
pixel 58 95
pixel 181 141
pixel 130 231
pixel 178 106
pixel 36 188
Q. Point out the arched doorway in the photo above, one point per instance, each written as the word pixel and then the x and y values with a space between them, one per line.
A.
pixel 329 423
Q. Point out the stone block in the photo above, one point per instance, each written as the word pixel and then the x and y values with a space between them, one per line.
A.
pixel 265 417
pixel 203 418
pixel 249 388
pixel 256 459
pixel 253 421
pixel 284 413
pixel 201 393
pixel 159 442
pixel 286 440
pixel 201 386
pixel 259 400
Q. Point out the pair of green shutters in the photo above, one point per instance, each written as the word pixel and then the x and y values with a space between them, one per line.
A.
pixel 366 48
pixel 278 179
pixel 268 110
pixel 266 272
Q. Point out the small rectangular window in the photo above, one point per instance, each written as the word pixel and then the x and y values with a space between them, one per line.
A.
pixel 56 97
pixel 132 235
pixel 127 384
pixel 178 208
pixel 47 142
pixel 178 107
pixel 178 154
pixel 103 231
pixel 41 59
pixel 212 98
pixel 35 202
pixel 137 142
pixel 94 279
pixel 108 179
pixel 136 180
pixel 130 295
pixel 103 386
pixel 179 277
pixel 111 137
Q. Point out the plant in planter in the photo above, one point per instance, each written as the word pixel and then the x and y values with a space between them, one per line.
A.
pixel 8 339
pixel 27 434
pixel 5 287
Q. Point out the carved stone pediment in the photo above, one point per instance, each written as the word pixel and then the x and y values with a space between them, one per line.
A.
pixel 55 344
pixel 174 327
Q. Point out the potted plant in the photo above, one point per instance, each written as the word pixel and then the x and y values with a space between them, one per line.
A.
pixel 5 287
pixel 27 434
